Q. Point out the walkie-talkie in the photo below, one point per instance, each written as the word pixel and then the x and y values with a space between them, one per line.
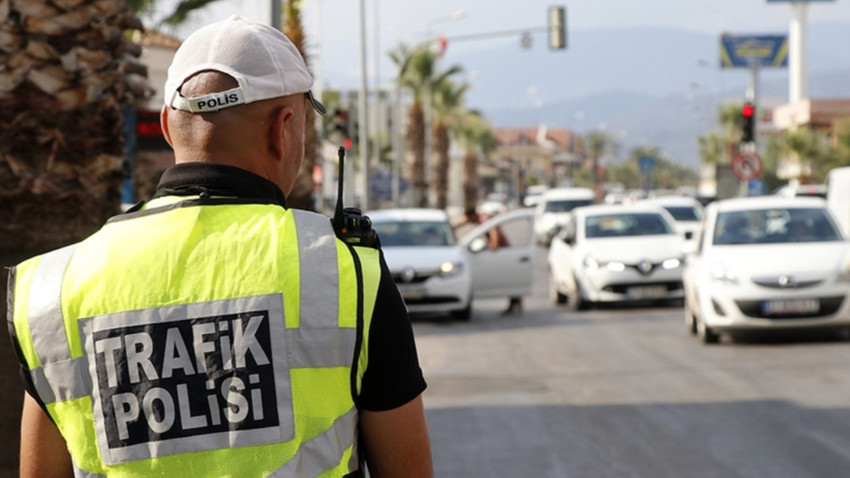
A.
pixel 349 224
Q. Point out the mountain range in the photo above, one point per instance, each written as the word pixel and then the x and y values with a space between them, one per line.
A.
pixel 644 86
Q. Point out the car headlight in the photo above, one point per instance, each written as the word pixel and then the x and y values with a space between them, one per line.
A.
pixel 671 263
pixel 720 273
pixel 615 266
pixel 448 268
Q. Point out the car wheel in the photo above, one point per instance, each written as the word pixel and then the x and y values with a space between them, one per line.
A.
pixel 463 314
pixel 577 301
pixel 554 294
pixel 705 334
pixel 690 320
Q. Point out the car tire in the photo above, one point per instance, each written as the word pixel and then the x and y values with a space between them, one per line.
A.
pixel 464 314
pixel 554 294
pixel 705 334
pixel 690 319
pixel 577 301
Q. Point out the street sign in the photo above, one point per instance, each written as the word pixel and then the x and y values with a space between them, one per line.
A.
pixel 756 187
pixel 746 166
pixel 751 51
pixel 646 164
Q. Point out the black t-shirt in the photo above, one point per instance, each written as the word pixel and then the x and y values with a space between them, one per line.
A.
pixel 393 376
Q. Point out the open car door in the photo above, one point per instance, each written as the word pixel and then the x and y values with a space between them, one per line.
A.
pixel 501 255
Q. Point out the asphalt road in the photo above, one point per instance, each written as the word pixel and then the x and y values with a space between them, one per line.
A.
pixel 627 392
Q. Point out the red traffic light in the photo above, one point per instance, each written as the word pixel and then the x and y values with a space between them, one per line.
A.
pixel 748 110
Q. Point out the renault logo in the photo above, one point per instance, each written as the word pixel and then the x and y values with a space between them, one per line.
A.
pixel 408 274
pixel 645 267
pixel 786 281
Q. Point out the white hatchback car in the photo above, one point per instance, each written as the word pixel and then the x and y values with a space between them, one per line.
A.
pixel 615 253
pixel 554 208
pixel 767 262
pixel 687 213
pixel 435 272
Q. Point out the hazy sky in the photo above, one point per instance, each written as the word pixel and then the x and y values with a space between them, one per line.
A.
pixel 337 21
pixel 333 25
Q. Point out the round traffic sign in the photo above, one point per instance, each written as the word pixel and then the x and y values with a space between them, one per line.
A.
pixel 746 166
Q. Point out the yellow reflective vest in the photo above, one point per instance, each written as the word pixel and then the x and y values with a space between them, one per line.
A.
pixel 201 337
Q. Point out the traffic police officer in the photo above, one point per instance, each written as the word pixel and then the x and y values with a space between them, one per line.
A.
pixel 212 331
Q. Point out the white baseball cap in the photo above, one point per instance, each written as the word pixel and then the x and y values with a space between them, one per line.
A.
pixel 261 59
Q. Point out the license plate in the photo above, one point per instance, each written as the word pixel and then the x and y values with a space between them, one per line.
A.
pixel 646 292
pixel 410 292
pixel 790 306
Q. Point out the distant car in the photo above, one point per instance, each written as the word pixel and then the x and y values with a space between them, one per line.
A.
pixel 616 253
pixel 534 194
pixel 687 214
pixel 435 272
pixel 767 262
pixel 554 208
pixel 802 190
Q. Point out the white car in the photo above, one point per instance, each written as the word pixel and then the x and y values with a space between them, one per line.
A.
pixel 435 272
pixel 553 210
pixel 767 262
pixel 687 213
pixel 616 253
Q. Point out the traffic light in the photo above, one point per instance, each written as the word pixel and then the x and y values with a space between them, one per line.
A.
pixel 748 123
pixel 557 28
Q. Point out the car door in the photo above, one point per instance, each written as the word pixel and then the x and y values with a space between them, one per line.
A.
pixel 501 255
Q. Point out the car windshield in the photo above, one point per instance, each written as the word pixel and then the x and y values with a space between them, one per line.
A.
pixel 623 225
pixel 414 233
pixel 566 205
pixel 771 226
pixel 684 213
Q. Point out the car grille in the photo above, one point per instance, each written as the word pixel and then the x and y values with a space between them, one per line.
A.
pixel 416 280
pixel 753 308
pixel 432 300
pixel 621 288
pixel 785 282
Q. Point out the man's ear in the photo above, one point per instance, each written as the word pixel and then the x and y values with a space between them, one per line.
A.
pixel 163 121
pixel 279 131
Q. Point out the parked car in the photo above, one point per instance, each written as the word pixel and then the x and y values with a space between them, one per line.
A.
pixel 687 214
pixel 436 272
pixel 768 262
pixel 534 194
pixel 554 208
pixel 616 253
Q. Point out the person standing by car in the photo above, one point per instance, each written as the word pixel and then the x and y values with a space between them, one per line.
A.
pixel 212 331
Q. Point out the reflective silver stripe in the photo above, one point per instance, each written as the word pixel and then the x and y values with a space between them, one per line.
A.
pixel 323 452
pixel 45 309
pixel 78 473
pixel 311 348
pixel 60 381
pixel 319 270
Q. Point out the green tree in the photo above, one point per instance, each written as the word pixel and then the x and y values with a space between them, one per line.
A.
pixel 416 70
pixel 597 145
pixel 476 136
pixel 447 100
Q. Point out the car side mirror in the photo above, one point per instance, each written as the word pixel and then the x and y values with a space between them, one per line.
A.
pixel 570 240
pixel 689 235
pixel 477 245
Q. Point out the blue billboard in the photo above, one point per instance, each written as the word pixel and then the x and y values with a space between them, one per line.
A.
pixel 753 51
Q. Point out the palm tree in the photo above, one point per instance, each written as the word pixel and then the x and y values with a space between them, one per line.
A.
pixel 302 194
pixel 474 134
pixel 62 94
pixel 416 70
pixel 597 143
pixel 447 99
